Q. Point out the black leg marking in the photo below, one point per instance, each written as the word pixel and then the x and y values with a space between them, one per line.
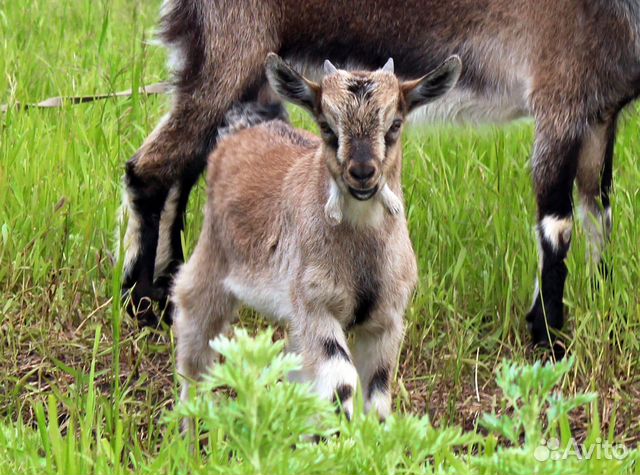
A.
pixel 605 190
pixel 147 203
pixel 332 348
pixel 343 393
pixel 555 167
pixel 549 313
pixel 379 382
pixel 607 169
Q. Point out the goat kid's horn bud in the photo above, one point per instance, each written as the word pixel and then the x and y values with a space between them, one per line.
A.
pixel 329 68
pixel 388 66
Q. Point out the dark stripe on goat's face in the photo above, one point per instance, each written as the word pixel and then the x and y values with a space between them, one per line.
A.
pixel 379 381
pixel 332 349
pixel 362 88
pixel 361 150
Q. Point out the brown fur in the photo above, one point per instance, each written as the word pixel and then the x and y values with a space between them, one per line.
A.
pixel 268 242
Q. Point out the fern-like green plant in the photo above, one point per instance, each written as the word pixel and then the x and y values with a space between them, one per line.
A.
pixel 268 426
pixel 533 412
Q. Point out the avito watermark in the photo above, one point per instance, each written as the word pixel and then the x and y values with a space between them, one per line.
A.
pixel 600 450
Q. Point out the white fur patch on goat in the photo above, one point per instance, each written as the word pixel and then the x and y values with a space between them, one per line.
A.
pixel 380 402
pixel 360 212
pixel 176 55
pixel 391 201
pixel 333 208
pixel 536 290
pixel 164 252
pixel 332 374
pixel 363 213
pixel 131 242
pixel 269 296
pixel 461 106
pixel 556 231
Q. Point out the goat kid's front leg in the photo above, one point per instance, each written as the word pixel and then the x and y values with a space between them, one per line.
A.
pixel 554 171
pixel 327 362
pixel 375 354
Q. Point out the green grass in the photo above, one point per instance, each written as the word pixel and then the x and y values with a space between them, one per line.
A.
pixel 79 382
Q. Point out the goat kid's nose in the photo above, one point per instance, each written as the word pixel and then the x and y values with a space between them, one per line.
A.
pixel 362 171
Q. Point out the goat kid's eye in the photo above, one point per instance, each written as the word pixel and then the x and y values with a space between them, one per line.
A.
pixel 328 134
pixel 325 129
pixel 393 132
pixel 395 126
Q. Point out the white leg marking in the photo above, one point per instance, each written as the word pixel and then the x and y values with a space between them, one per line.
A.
pixel 556 230
pixel 131 242
pixel 132 238
pixel 536 289
pixel 379 402
pixel 332 374
pixel 333 208
pixel 168 216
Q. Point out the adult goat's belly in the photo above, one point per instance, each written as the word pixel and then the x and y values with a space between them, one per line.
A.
pixel 464 105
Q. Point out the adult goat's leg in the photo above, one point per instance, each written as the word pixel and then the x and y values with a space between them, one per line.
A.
pixel 214 73
pixel 169 256
pixel 554 170
pixel 594 179
pixel 155 178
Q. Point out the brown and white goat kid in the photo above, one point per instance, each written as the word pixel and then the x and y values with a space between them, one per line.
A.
pixel 311 233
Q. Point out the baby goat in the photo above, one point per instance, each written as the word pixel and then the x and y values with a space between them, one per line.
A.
pixel 310 232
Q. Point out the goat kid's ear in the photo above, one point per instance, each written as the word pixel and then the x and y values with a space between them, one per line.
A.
pixel 433 85
pixel 291 85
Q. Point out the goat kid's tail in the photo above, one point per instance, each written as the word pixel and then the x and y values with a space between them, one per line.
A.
pixel 248 114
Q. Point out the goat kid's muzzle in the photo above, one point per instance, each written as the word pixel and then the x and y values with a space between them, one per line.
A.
pixel 363 195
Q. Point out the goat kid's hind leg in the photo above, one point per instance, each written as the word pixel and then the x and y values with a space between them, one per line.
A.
pixel 554 170
pixel 375 353
pixel 204 309
pixel 594 179
pixel 210 75
pixel 327 362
